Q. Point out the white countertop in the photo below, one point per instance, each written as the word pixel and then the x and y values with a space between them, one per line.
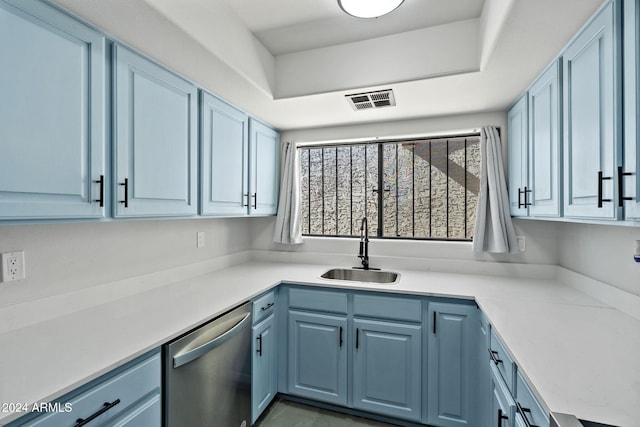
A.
pixel 581 356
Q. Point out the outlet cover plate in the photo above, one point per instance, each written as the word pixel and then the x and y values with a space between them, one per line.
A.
pixel 13 266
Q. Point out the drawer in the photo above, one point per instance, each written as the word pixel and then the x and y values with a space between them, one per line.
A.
pixel 117 393
pixel 388 307
pixel 318 300
pixel 528 406
pixel 503 361
pixel 263 306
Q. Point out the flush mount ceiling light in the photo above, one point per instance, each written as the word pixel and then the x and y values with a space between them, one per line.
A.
pixel 368 8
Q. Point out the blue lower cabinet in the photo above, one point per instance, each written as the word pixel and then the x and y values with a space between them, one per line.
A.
pixel 264 377
pixel 502 408
pixel 481 397
pixel 528 406
pixel 128 396
pixel 450 365
pixel 317 356
pixel 387 374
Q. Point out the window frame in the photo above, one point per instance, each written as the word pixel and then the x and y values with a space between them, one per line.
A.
pixel 379 143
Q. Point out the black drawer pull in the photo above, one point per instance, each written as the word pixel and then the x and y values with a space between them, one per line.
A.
pixel 600 179
pixel 340 339
pixel 83 421
pixel 101 199
pixel 247 196
pixel 357 338
pixel 260 345
pixel 523 412
pixel 494 357
pixel 255 200
pixel 267 307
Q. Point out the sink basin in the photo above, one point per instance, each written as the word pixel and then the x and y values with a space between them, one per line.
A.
pixel 370 276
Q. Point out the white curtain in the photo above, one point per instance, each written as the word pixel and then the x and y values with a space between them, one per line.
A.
pixel 493 229
pixel 288 229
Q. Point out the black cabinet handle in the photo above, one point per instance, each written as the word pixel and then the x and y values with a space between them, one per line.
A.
pixel 357 338
pixel 247 196
pixel 493 355
pixel 501 417
pixel 126 192
pixel 105 407
pixel 255 200
pixel 259 351
pixel 101 199
pixel 434 322
pixel 621 197
pixel 600 179
pixel 524 192
pixel 267 307
pixel 523 412
pixel 340 339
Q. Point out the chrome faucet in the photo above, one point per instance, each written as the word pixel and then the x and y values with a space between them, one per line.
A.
pixel 364 244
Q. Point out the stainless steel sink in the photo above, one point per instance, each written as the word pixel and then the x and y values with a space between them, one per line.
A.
pixel 370 276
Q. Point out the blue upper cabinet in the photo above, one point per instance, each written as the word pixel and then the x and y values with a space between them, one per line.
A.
pixel 387 374
pixel 451 368
pixel 155 134
pixel 224 158
pixel 544 144
pixel 591 131
pixel 517 122
pixel 628 174
pixel 264 173
pixel 52 136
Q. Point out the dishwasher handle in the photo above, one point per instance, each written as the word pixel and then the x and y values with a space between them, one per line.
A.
pixel 183 359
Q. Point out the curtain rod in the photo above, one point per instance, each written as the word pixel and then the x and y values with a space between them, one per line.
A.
pixel 376 140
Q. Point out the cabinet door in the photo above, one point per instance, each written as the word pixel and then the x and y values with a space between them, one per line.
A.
pixel 630 176
pixel 224 158
pixel 590 131
pixel 128 396
pixel 387 374
pixel 450 372
pixel 52 114
pixel 264 366
pixel 264 173
pixel 155 139
pixel 544 144
pixel 518 163
pixel 482 398
pixel 502 407
pixel 318 356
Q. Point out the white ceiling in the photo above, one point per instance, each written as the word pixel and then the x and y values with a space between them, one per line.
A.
pixel 291 62
pixel 285 26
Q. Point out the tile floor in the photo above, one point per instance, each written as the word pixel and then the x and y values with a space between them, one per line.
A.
pixel 283 413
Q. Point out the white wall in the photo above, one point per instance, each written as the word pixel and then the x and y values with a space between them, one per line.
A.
pixel 61 258
pixel 541 245
pixel 602 252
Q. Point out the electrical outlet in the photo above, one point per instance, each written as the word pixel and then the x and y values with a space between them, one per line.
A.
pixel 13 266
pixel 200 239
pixel 521 243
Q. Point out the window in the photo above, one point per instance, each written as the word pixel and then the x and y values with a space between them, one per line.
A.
pixel 416 189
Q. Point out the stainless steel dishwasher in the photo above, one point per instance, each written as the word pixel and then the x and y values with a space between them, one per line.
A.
pixel 208 374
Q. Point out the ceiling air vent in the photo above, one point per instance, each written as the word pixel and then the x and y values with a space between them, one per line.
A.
pixel 371 100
